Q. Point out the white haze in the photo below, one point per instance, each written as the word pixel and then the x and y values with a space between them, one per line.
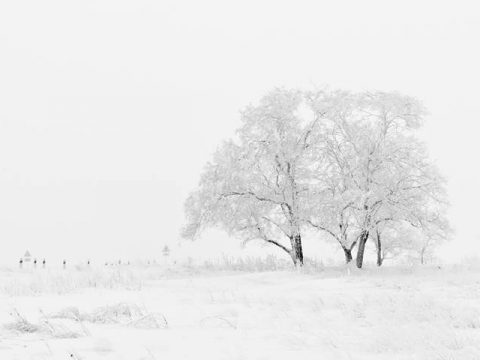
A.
pixel 109 109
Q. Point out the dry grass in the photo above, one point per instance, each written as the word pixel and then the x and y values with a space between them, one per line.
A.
pixel 122 313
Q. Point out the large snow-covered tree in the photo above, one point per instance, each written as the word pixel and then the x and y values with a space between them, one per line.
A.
pixel 257 186
pixel 380 170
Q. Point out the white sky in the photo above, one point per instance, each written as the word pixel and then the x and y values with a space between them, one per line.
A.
pixel 110 108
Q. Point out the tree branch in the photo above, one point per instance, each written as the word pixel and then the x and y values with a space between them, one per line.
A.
pixel 252 194
pixel 324 229
pixel 284 248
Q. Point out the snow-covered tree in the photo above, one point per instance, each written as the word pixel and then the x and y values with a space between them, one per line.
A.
pixel 257 186
pixel 381 170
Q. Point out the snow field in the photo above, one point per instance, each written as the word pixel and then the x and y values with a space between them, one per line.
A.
pixel 138 313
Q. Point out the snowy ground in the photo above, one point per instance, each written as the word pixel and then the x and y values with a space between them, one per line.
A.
pixel 137 313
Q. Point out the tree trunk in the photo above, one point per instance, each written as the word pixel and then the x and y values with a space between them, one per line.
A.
pixel 379 258
pixel 297 251
pixel 348 254
pixel 361 248
pixel 379 250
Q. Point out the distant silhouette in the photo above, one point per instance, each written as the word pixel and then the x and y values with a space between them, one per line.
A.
pixel 166 251
pixel 27 257
pixel 64 264
pixel 43 263
pixel 21 263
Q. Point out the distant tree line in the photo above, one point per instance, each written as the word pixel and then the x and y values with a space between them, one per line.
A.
pixel 347 166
